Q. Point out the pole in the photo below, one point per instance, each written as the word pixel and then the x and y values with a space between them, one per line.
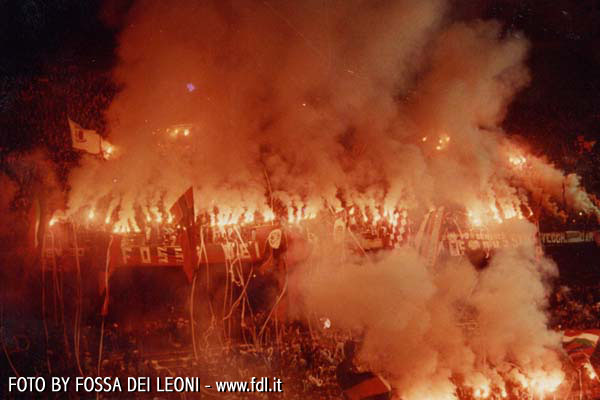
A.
pixel 192 321
pixel 76 328
pixel 44 322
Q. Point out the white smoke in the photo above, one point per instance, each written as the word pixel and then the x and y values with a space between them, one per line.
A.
pixel 423 326
pixel 382 104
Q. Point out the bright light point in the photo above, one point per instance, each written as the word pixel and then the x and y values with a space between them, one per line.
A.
pixel 190 87
pixel 52 221
pixel 482 392
pixel 517 160
pixel 186 132
pixel 590 371
pixel 268 215
pixel 424 139
pixel 91 214
pixel 442 142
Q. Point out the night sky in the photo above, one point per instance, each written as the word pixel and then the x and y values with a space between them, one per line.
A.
pixel 57 58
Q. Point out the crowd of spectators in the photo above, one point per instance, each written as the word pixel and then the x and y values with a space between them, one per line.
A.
pixel 305 358
pixel 575 306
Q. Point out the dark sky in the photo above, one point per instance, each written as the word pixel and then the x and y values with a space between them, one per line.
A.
pixel 57 57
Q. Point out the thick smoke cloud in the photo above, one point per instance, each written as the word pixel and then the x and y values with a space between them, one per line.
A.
pixel 427 328
pixel 366 103
pixel 294 90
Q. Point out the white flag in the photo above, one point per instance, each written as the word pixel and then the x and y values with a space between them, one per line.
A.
pixel 84 139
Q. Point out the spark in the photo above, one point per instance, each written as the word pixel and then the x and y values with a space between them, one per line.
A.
pixel 590 371
pixel 443 141
pixel 475 218
pixel 517 160
pixel 482 392
pixel 268 215
pixel 108 149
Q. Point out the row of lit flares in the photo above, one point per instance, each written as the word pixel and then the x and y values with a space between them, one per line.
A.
pixel 539 384
pixel 479 215
pixel 501 209
pixel 506 209
pixel 223 219
pixel 495 210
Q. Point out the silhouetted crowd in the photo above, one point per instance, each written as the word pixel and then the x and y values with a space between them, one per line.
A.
pixel 575 306
pixel 306 358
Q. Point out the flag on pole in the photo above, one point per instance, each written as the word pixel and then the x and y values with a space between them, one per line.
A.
pixel 85 139
pixel 580 344
pixel 183 215
pixel 183 209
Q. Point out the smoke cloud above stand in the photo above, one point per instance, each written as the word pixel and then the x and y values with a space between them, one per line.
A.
pixel 344 103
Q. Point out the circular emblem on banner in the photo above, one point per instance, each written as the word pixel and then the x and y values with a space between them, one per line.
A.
pixel 474 244
pixel 274 238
